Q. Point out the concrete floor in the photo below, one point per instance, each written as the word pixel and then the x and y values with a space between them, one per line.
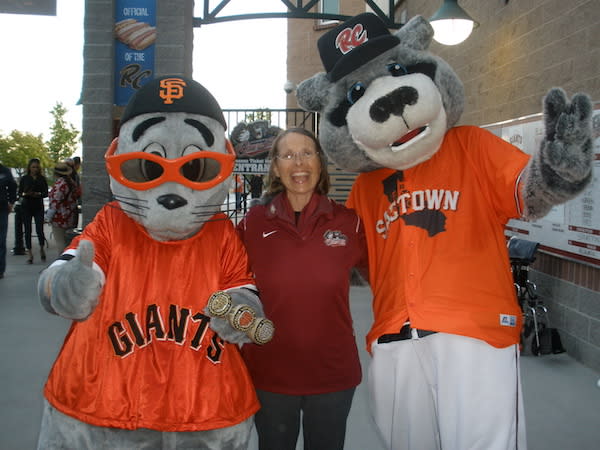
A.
pixel 562 400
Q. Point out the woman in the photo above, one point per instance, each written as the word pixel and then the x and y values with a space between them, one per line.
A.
pixel 302 247
pixel 63 204
pixel 33 188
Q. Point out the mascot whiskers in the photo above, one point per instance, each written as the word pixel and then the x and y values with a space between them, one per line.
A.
pixel 434 199
pixel 159 291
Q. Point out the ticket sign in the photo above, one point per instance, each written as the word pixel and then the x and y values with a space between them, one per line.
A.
pixel 570 230
pixel 135 37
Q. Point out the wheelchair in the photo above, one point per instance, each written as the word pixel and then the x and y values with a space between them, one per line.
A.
pixel 537 338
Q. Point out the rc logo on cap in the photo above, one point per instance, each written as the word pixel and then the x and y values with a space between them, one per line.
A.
pixel 171 88
pixel 354 43
pixel 350 38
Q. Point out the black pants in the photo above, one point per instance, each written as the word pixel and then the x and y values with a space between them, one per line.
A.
pixel 323 420
pixel 38 217
pixel 19 248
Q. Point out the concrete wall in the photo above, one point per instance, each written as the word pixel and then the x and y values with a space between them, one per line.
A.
pixel 571 292
pixel 173 55
pixel 520 49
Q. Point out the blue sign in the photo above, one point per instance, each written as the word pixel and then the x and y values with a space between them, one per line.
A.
pixel 135 35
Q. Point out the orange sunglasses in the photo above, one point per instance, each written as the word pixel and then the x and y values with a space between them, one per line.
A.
pixel 142 171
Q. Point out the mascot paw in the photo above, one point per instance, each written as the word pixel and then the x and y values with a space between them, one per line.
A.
pixel 71 290
pixel 568 134
pixel 236 316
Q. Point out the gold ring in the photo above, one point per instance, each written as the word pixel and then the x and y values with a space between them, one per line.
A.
pixel 262 331
pixel 241 317
pixel 219 304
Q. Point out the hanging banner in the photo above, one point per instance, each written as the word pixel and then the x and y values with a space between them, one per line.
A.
pixel 570 230
pixel 135 35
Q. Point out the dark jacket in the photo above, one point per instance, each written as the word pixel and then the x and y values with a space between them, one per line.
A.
pixel 33 191
pixel 8 188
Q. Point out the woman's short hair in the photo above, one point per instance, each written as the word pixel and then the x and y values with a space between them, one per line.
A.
pixel 274 184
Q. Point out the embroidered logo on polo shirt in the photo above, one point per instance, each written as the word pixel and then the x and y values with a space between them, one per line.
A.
pixel 334 238
pixel 507 320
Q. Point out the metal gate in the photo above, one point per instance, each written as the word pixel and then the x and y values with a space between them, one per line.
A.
pixel 341 181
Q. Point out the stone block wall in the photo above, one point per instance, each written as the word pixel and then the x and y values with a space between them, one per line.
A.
pixel 575 311
pixel 173 55
pixel 519 50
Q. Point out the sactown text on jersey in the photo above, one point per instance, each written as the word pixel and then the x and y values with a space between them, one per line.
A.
pixel 407 202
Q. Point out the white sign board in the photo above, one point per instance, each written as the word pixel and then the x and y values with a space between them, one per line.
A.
pixel 570 230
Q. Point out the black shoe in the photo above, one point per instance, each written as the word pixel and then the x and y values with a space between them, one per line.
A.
pixel 18 251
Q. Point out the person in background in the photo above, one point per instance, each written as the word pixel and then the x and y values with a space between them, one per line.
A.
pixel 239 191
pixel 8 196
pixel 75 164
pixel 302 247
pixel 33 188
pixel 256 188
pixel 63 204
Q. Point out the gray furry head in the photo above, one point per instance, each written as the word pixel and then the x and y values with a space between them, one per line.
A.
pixel 180 126
pixel 393 110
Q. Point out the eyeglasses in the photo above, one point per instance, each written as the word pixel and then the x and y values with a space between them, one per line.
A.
pixel 142 170
pixel 303 156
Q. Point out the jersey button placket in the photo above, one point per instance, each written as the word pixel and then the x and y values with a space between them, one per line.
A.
pixel 412 269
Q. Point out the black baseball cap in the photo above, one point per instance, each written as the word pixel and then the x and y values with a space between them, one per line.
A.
pixel 352 43
pixel 173 94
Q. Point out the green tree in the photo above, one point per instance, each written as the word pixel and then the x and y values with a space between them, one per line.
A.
pixel 64 136
pixel 18 148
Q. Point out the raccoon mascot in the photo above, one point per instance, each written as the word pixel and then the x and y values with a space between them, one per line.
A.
pixel 144 364
pixel 434 199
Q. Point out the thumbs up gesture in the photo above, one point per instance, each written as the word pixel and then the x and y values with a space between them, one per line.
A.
pixel 71 289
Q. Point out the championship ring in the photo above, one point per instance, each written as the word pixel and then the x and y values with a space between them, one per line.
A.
pixel 262 331
pixel 241 317
pixel 219 304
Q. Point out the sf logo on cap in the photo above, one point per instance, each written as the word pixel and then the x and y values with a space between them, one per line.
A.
pixel 171 89
pixel 350 38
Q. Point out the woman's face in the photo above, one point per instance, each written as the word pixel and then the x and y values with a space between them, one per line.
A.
pixel 34 168
pixel 297 164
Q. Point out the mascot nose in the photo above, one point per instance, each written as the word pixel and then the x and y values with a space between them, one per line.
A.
pixel 171 201
pixel 393 103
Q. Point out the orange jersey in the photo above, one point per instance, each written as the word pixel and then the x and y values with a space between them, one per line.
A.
pixel 435 232
pixel 147 357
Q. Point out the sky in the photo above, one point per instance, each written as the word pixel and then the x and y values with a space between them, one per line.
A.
pixel 42 63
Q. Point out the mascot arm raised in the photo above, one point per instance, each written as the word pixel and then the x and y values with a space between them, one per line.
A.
pixel 562 167
pixel 237 316
pixel 71 289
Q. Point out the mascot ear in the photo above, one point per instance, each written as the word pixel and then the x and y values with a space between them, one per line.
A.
pixel 417 33
pixel 312 92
